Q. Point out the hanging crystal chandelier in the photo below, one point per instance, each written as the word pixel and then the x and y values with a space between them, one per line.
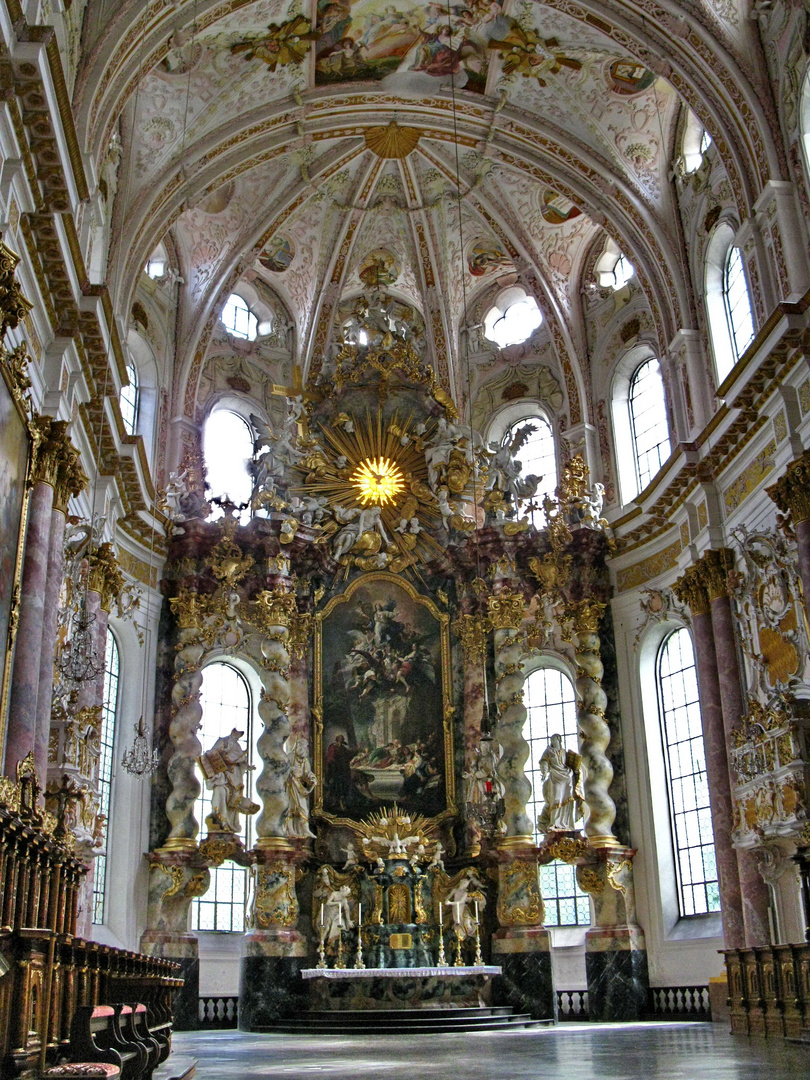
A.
pixel 80 661
pixel 139 760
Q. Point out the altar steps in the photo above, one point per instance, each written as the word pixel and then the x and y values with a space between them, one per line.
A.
pixel 404 1021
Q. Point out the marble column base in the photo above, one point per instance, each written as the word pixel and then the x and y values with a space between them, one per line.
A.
pixel 270 989
pixel 616 971
pixel 182 949
pixel 527 982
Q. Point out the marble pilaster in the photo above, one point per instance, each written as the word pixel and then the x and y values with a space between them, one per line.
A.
pixel 692 591
pixel 21 734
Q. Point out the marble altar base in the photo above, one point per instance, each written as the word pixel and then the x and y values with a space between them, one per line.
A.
pixel 400 988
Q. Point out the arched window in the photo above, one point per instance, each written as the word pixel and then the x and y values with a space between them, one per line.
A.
pixel 156 263
pixel 804 121
pixel 129 400
pixel 696 141
pixel 513 318
pixel 685 760
pixel 538 457
pixel 227 449
pixel 552 709
pixel 226 704
pixel 613 269
pixel 238 319
pixel 109 710
pixel 648 421
pixel 728 302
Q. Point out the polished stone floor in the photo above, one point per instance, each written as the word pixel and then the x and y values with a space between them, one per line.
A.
pixel 567 1052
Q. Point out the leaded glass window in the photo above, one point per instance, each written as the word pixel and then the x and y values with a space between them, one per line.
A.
pixel 109 710
pixel 648 420
pixel 538 457
pixel 685 760
pixel 738 302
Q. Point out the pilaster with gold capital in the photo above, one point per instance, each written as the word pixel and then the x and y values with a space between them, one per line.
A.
pixel 690 589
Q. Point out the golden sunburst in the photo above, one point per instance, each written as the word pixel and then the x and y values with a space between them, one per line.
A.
pixel 377 480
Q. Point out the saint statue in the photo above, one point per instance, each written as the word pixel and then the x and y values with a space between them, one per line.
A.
pixel 224 767
pixel 299 785
pixel 563 773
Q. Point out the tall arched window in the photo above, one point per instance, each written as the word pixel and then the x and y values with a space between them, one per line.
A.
pixel 728 301
pixel 227 449
pixel 685 759
pixel 552 709
pixel 109 711
pixel 538 457
pixel 128 400
pixel 648 421
pixel 226 704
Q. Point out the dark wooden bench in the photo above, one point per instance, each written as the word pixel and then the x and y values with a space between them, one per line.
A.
pixel 119 1035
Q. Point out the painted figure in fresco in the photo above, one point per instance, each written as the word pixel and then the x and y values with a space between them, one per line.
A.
pixel 225 766
pixel 338 780
pixel 299 785
pixel 562 788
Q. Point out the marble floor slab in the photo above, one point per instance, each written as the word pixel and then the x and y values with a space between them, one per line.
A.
pixel 650 1051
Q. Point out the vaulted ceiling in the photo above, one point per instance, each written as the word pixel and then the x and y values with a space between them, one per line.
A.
pixel 288 142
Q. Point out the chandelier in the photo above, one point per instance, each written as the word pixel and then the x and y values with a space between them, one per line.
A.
pixel 139 760
pixel 79 662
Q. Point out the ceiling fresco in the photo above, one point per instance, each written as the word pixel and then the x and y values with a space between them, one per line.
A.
pixel 306 135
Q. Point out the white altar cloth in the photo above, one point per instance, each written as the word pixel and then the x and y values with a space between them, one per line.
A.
pixel 398 973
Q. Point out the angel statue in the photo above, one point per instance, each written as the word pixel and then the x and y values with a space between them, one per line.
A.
pixel 505 469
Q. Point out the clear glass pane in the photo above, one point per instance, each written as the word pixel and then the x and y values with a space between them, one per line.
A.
pixel 109 709
pixel 738 303
pixel 686 768
pixel 538 457
pixel 128 401
pixel 648 419
pixel 227 449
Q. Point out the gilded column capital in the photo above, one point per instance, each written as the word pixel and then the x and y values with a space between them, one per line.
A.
pixel 506 610
pixel 53 452
pixel 586 615
pixel 71 478
pixel 717 564
pixel 13 305
pixel 273 607
pixel 691 590
pixel 104 574
pixel 792 492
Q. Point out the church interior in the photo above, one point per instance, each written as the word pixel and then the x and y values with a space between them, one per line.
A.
pixel 404 521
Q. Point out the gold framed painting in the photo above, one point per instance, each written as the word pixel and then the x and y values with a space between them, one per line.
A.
pixel 383 703
pixel 15 450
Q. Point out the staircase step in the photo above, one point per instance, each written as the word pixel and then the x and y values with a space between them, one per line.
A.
pixel 405 1021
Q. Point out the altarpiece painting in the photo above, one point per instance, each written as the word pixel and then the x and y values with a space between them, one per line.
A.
pixel 383 700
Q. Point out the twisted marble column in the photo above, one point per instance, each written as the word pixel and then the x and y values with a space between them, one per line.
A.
pixel 506 611
pixel 594 732
pixel 186 719
pixel 273 612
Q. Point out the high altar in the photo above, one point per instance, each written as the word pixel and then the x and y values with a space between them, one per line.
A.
pixel 388 589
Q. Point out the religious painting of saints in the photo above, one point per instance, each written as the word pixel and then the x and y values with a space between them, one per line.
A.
pixel 383 693
pixel 14 450
pixel 410 46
